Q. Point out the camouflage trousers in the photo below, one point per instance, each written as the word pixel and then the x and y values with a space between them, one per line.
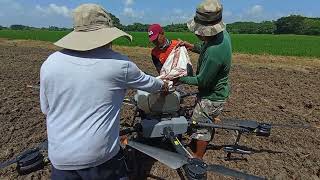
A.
pixel 204 108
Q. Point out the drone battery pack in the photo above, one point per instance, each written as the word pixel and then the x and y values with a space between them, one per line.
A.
pixel 152 128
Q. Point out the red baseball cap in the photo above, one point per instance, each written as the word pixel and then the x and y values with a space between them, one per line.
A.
pixel 153 31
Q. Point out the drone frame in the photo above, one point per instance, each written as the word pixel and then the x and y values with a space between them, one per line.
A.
pixel 193 169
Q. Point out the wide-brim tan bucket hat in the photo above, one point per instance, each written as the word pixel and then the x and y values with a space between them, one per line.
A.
pixel 93 28
pixel 208 19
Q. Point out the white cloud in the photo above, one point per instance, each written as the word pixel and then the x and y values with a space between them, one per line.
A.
pixel 16 12
pixel 227 13
pixel 177 11
pixel 131 13
pixel 176 17
pixel 254 13
pixel 10 4
pixel 128 2
pixel 54 9
pixel 10 7
pixel 256 10
pixel 128 12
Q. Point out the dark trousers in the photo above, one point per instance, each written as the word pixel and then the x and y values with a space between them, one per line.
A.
pixel 113 169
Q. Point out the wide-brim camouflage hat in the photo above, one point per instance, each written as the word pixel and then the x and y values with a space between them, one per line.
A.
pixel 208 19
pixel 93 28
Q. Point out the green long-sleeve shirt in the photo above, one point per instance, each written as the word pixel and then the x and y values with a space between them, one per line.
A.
pixel 212 76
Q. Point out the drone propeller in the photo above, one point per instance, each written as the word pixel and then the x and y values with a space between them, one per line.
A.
pixel 254 124
pixel 171 159
pixel 42 146
pixel 175 161
pixel 8 163
pixel 230 172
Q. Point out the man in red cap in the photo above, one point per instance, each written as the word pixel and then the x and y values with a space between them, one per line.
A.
pixel 163 46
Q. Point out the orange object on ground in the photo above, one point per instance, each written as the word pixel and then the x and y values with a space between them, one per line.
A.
pixel 124 140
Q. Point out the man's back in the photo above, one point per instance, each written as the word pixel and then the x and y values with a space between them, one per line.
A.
pixel 219 57
pixel 84 93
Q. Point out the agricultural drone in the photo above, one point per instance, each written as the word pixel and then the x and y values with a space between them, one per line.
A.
pixel 159 116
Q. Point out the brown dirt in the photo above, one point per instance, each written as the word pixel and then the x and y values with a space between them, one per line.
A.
pixel 266 88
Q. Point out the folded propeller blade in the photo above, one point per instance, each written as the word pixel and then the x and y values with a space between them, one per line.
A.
pixel 41 146
pixel 7 163
pixel 171 159
pixel 231 172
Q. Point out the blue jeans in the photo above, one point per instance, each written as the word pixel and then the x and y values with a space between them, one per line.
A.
pixel 113 169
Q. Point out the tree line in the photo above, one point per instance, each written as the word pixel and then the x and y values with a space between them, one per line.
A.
pixel 23 27
pixel 293 24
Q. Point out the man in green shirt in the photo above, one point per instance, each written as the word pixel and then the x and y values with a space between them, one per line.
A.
pixel 212 76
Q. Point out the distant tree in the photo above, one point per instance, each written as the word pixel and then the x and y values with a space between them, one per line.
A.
pixel 244 28
pixel 266 27
pixel 293 24
pixel 176 28
pixel 116 21
pixel 312 26
pixel 137 27
pixel 296 24
pixel 53 28
pixel 19 27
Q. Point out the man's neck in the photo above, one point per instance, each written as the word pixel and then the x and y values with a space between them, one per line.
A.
pixel 165 45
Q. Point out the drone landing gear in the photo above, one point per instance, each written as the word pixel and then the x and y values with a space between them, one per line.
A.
pixel 236 149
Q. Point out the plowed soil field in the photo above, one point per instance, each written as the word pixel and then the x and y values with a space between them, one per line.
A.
pixel 271 89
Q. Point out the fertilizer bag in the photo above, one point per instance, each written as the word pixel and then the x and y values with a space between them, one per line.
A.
pixel 177 64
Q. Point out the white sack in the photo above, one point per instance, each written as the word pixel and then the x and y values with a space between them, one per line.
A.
pixel 176 64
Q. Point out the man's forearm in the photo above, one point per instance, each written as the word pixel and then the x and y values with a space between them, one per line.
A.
pixel 136 79
pixel 190 80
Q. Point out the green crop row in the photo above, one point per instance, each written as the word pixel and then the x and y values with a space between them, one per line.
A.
pixel 286 45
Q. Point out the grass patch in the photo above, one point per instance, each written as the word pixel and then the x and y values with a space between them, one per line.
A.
pixel 285 45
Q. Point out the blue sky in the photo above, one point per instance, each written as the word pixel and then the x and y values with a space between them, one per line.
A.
pixel 44 13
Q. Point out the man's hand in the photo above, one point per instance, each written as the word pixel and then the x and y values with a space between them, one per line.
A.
pixel 186 44
pixel 175 81
pixel 165 88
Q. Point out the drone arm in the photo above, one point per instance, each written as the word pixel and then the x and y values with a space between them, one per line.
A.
pixel 167 131
pixel 219 126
